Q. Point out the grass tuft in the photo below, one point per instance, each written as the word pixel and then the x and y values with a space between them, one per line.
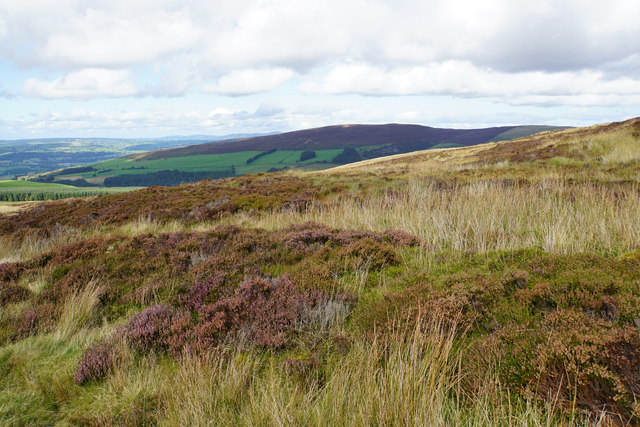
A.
pixel 79 310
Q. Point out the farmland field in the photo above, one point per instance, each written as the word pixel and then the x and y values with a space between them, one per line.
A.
pixel 18 191
pixel 279 159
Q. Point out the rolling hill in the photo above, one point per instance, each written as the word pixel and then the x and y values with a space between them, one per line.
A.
pixel 318 148
pixel 495 284
pixel 573 149
pixel 24 157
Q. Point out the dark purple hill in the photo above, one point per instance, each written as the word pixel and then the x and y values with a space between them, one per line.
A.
pixel 397 138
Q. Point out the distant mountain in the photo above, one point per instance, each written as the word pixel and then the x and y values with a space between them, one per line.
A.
pixel 317 148
pixel 396 138
pixel 208 137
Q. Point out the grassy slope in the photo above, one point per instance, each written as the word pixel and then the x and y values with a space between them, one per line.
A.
pixel 11 190
pixel 27 185
pixel 338 137
pixel 529 248
pixel 523 131
pixel 580 152
pixel 326 142
pixel 207 162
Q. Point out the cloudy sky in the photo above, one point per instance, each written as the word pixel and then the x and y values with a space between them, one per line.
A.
pixel 146 68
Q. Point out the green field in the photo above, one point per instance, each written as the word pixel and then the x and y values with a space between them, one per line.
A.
pixel 206 163
pixel 20 191
pixel 24 185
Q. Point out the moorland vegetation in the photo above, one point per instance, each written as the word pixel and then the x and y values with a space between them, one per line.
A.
pixel 486 285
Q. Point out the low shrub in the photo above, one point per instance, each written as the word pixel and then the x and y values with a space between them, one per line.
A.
pixel 10 271
pixel 159 328
pixel 11 293
pixel 95 363
pixel 262 311
pixel 371 252
pixel 41 317
pixel 204 291
pixel 401 238
pixel 28 324
pixel 306 371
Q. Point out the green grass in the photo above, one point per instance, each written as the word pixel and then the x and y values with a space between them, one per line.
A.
pixel 211 162
pixel 30 185
pixel 199 163
pixel 37 377
pixel 20 191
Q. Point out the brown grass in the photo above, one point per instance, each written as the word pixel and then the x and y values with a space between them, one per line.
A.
pixel 410 379
pixel 79 310
pixel 604 144
pixel 9 208
pixel 485 216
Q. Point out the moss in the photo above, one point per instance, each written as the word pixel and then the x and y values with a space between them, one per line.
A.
pixel 631 256
pixel 59 272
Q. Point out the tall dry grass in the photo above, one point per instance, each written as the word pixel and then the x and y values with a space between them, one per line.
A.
pixel 487 215
pixel 410 379
pixel 32 245
pixel 144 224
pixel 79 310
pixel 614 147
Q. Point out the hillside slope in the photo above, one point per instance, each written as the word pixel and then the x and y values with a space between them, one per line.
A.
pixel 599 146
pixel 412 137
pixel 310 149
pixel 490 285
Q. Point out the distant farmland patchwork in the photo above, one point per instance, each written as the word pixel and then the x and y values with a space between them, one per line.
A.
pixel 310 149
pixel 32 156
pixel 227 164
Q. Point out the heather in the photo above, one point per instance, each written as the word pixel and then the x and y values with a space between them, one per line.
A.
pixel 485 294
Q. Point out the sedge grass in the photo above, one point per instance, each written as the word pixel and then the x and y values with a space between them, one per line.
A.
pixel 485 216
pixel 79 310
pixel 411 378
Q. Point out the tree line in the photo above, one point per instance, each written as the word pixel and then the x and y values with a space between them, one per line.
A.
pixel 31 196
pixel 257 156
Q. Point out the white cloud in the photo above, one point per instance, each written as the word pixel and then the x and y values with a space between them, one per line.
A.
pixel 462 78
pixel 548 52
pixel 84 84
pixel 294 34
pixel 72 34
pixel 96 39
pixel 3 28
pixel 501 34
pixel 147 118
pixel 251 81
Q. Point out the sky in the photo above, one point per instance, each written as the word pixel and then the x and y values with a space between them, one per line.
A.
pixel 149 68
